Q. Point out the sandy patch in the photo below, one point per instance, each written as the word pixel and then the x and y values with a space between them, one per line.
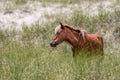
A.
pixel 33 12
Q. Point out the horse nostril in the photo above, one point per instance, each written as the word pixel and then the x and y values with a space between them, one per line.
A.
pixel 50 44
pixel 53 44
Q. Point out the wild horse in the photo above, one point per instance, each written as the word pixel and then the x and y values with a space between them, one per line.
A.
pixel 79 40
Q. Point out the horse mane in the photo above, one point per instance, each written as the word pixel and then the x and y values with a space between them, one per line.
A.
pixel 77 30
pixel 81 32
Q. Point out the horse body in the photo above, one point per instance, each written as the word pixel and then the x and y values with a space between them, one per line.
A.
pixel 78 39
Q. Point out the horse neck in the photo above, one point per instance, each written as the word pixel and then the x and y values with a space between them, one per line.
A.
pixel 76 40
pixel 73 39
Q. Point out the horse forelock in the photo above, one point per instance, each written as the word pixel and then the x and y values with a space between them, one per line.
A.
pixel 57 28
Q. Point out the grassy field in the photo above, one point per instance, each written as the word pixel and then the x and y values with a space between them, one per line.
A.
pixel 56 1
pixel 26 54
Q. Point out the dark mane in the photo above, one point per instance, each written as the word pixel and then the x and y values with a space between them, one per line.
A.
pixel 77 30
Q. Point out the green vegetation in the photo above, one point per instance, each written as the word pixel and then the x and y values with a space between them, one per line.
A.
pixel 20 1
pixel 59 1
pixel 53 1
pixel 26 55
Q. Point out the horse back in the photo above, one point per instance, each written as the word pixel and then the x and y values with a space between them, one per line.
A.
pixel 95 41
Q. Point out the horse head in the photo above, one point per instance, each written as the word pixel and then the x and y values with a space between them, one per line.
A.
pixel 60 35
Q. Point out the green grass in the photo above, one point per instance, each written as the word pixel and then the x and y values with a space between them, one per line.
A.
pixel 29 56
pixel 20 1
pixel 54 1
pixel 28 62
pixel 57 1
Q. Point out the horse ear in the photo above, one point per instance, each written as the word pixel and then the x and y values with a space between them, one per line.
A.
pixel 62 26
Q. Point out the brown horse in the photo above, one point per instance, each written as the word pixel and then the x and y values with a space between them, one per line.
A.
pixel 78 39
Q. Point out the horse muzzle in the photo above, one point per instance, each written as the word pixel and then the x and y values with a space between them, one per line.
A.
pixel 53 44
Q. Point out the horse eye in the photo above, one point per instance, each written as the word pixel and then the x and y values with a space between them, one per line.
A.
pixel 58 33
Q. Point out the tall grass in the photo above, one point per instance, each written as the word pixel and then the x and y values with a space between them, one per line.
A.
pixel 28 62
pixel 29 56
pixel 56 1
